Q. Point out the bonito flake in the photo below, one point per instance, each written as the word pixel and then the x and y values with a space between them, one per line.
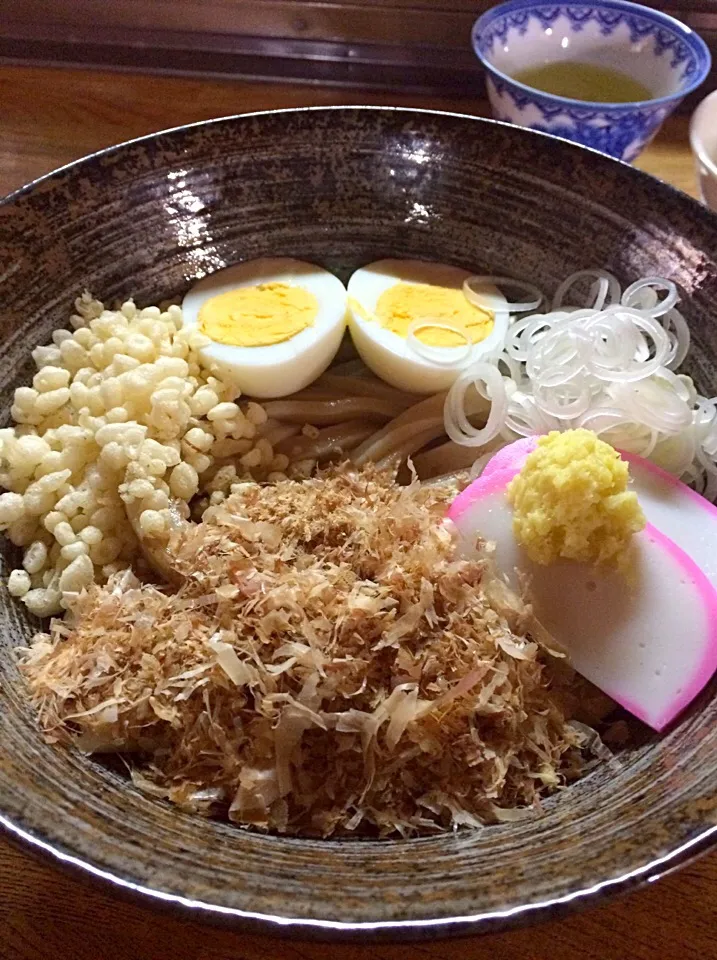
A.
pixel 326 665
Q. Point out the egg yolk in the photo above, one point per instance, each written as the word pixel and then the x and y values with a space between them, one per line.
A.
pixel 571 500
pixel 258 316
pixel 405 303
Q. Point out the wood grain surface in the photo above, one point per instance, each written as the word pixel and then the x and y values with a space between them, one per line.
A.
pixel 48 118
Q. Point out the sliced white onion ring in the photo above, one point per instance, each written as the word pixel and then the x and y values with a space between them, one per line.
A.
pixel 609 367
pixel 525 419
pixel 565 403
pixel 631 295
pixel 656 406
pixel 515 373
pixel 478 298
pixel 679 334
pixel 438 355
pixel 458 427
pixel 613 287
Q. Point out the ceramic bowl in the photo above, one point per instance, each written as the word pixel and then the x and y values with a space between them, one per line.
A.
pixel 663 54
pixel 342 187
pixel 703 139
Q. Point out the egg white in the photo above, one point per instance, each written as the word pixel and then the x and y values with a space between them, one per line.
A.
pixel 388 354
pixel 281 368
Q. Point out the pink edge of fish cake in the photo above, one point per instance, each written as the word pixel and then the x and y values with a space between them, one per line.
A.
pixel 509 461
pixel 511 457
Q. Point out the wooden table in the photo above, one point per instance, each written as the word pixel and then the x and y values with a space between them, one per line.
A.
pixel 47 118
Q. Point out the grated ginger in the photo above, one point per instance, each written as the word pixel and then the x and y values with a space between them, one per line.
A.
pixel 325 667
pixel 571 500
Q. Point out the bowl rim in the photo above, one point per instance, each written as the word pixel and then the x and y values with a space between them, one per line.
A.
pixel 691 37
pixel 698 148
pixel 341 930
pixel 108 151
pixel 368 930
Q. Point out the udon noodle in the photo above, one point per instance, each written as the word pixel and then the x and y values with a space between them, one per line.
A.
pixel 356 415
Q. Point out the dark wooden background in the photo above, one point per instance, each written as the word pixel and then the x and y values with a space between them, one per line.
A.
pixel 389 44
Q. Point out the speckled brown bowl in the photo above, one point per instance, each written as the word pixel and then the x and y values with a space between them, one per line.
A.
pixel 342 187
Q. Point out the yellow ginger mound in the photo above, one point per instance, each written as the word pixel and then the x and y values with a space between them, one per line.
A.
pixel 571 500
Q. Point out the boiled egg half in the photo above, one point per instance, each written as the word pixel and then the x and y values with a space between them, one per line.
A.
pixel 413 325
pixel 275 324
pixel 650 641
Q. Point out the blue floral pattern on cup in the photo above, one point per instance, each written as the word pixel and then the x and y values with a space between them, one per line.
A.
pixel 621 130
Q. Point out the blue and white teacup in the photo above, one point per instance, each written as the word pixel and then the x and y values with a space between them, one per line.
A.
pixel 661 53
